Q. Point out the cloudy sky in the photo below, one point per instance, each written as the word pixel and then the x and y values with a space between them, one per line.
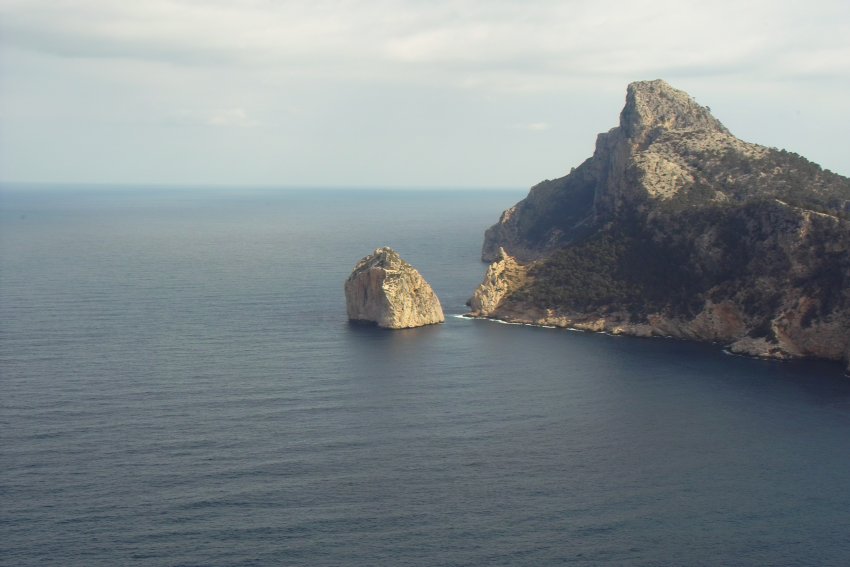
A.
pixel 499 93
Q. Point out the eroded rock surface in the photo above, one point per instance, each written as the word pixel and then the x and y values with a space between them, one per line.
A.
pixel 385 290
pixel 503 277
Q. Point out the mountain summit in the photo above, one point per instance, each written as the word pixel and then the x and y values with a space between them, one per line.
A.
pixel 653 106
pixel 670 152
pixel 676 227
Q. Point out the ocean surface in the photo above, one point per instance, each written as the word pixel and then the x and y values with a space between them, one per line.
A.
pixel 180 386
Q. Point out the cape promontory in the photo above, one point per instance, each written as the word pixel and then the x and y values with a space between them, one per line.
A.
pixel 675 227
pixel 385 290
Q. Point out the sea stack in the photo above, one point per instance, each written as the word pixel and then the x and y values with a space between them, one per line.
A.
pixel 385 290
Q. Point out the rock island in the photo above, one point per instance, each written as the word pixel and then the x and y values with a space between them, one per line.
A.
pixel 385 290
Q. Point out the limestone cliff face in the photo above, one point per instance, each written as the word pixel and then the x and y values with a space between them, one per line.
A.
pixel 667 150
pixel 386 290
pixel 675 227
pixel 503 277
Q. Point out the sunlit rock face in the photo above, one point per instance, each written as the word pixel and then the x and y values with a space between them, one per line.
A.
pixel 385 290
pixel 503 276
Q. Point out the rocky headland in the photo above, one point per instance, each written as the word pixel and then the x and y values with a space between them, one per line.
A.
pixel 675 227
pixel 385 290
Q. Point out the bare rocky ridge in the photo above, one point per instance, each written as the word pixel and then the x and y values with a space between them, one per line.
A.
pixel 385 290
pixel 675 227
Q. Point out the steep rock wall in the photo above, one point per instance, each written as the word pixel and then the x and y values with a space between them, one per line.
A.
pixel 385 290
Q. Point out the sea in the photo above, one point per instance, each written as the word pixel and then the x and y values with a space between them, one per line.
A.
pixel 180 387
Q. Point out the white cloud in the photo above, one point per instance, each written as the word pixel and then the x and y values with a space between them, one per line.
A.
pixel 230 117
pixel 534 126
pixel 456 38
pixel 350 81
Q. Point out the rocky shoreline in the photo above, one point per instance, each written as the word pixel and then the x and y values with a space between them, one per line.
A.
pixel 721 324
pixel 746 347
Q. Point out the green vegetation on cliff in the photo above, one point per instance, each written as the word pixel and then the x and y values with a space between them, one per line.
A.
pixel 778 174
pixel 673 262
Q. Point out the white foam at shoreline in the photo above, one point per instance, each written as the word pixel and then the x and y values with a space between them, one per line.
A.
pixel 501 322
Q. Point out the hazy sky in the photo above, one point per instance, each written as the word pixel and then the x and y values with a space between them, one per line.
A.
pixel 396 93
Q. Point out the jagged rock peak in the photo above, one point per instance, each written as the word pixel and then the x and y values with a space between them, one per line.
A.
pixel 384 257
pixel 653 105
pixel 386 290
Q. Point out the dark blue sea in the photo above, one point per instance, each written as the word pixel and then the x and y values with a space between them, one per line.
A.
pixel 180 386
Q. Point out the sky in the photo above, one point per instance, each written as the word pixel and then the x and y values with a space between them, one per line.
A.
pixel 395 93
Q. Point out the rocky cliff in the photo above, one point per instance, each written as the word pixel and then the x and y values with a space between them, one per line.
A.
pixel 386 290
pixel 675 227
pixel 504 277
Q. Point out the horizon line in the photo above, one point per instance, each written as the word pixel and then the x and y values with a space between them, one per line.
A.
pixel 269 186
